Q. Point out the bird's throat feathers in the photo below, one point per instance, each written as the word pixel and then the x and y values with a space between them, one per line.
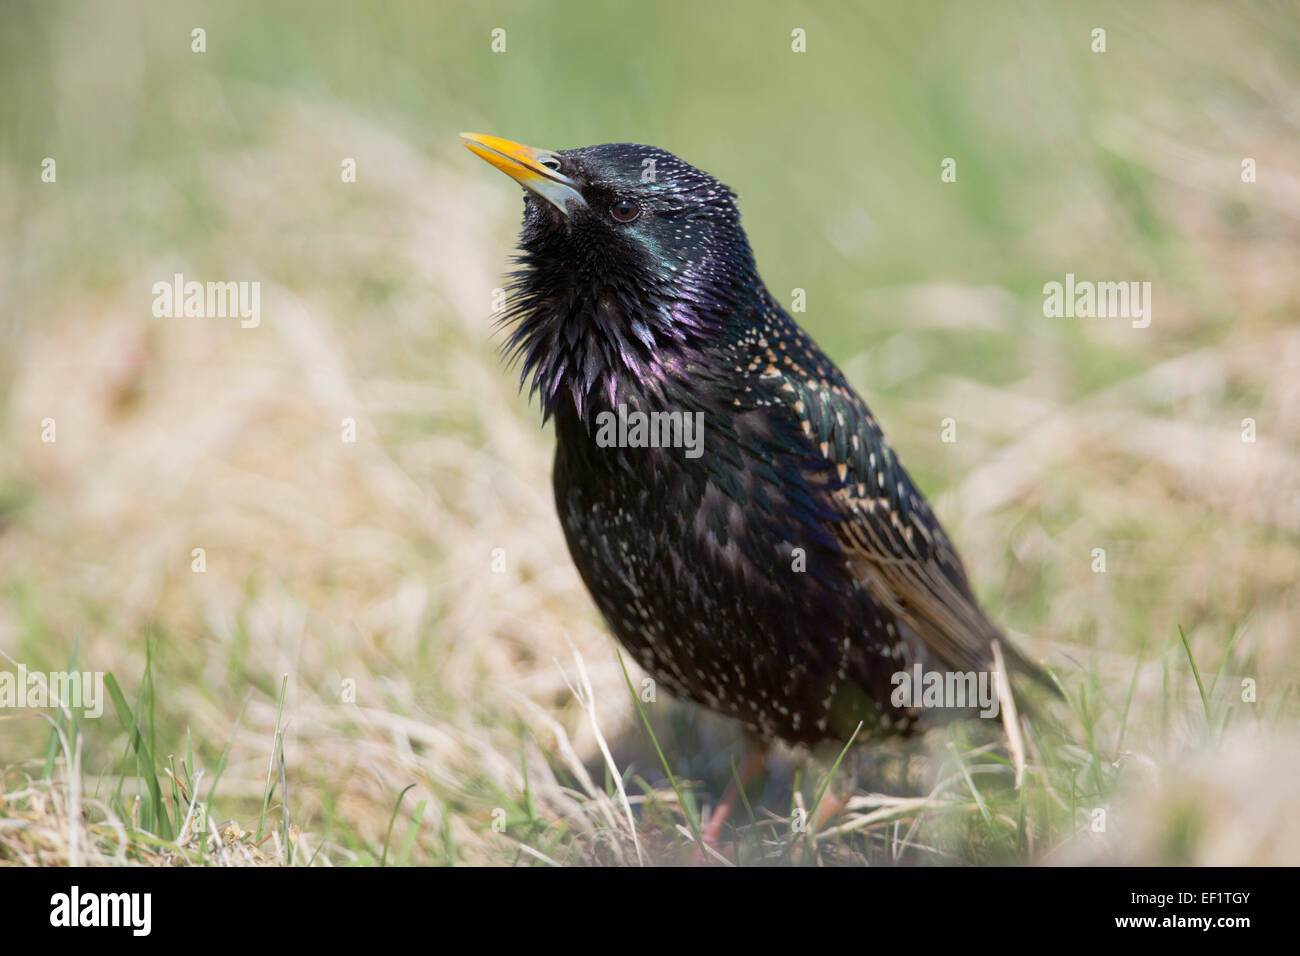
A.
pixel 602 343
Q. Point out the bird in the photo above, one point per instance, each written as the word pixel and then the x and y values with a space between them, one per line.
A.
pixel 776 563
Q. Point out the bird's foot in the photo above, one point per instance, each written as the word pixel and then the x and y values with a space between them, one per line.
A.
pixel 710 837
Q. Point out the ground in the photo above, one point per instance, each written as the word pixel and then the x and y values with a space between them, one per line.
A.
pixel 399 611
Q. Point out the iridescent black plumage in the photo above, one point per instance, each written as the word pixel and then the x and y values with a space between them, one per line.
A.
pixel 784 575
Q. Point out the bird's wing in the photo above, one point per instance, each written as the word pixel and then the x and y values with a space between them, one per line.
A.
pixel 892 538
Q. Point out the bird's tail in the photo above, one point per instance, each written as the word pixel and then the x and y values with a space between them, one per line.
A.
pixel 1020 665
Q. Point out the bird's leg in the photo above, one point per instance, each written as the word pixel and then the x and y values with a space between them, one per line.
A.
pixel 752 765
pixel 828 810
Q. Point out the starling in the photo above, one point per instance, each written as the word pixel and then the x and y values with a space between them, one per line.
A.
pixel 729 500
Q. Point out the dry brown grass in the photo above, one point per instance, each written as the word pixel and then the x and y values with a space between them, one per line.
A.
pixel 371 562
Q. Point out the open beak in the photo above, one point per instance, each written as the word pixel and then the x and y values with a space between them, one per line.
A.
pixel 534 169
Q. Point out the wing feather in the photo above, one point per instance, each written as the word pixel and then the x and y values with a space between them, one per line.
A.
pixel 892 538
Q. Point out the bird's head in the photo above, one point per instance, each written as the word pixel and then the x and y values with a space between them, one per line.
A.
pixel 633 263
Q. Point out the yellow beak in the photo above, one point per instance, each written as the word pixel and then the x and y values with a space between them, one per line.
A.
pixel 537 170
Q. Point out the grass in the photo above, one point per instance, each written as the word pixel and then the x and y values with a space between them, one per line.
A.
pixel 970 811
pixel 355 679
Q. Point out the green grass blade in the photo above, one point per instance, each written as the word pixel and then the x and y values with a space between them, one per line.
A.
pixel 144 756
pixel 672 780
pixel 1205 700
pixel 383 857
pixel 276 744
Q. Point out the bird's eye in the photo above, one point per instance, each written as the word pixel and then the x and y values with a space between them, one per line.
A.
pixel 551 164
pixel 625 210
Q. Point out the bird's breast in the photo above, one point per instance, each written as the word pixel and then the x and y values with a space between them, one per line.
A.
pixel 710 571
